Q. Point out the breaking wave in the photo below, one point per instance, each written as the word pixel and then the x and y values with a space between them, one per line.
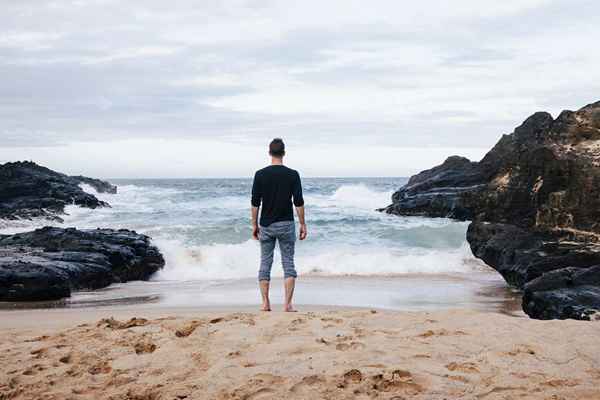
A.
pixel 202 227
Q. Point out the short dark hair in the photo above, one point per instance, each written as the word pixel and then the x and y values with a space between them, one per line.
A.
pixel 277 148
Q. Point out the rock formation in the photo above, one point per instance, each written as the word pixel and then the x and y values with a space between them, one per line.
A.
pixel 534 202
pixel 48 263
pixel 28 190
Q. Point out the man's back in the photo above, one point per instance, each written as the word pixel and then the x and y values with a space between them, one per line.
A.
pixel 275 186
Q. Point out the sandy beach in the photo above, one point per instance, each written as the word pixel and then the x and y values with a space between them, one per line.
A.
pixel 319 353
pixel 418 183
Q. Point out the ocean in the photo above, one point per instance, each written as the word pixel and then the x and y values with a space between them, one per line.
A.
pixel 353 256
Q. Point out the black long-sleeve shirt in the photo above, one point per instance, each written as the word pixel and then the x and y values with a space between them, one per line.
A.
pixel 275 186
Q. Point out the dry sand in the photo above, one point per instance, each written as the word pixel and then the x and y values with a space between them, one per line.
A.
pixel 322 354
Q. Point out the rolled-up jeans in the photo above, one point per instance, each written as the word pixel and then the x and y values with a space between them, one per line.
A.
pixel 283 232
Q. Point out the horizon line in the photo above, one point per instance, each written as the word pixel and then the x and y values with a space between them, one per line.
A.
pixel 250 177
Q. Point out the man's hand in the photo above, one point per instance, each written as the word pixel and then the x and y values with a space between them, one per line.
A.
pixel 255 229
pixel 303 231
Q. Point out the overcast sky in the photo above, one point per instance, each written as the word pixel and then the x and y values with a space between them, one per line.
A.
pixel 197 88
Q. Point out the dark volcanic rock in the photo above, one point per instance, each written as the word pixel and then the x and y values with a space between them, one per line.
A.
pixel 443 191
pixel 534 200
pixel 564 293
pixel 28 190
pixel 580 302
pixel 48 263
pixel 520 255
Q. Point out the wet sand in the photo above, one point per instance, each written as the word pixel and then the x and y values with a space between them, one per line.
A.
pixel 318 353
pixel 485 291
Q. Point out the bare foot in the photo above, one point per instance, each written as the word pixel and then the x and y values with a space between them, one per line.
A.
pixel 266 307
pixel 289 308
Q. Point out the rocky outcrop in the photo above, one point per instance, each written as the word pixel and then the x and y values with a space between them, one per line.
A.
pixel 28 191
pixel 534 200
pixel 564 293
pixel 48 263
pixel 522 256
pixel 443 191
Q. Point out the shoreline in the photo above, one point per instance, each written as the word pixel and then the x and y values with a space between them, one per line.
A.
pixel 415 292
pixel 319 352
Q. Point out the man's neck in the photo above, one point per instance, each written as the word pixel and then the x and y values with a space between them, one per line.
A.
pixel 276 161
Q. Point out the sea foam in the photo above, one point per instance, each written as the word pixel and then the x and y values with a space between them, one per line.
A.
pixel 236 261
pixel 202 228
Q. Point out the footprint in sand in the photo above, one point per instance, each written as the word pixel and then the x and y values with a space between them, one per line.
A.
pixel 144 347
pixel 307 383
pixel 332 320
pixel 120 378
pixel 322 341
pixel 349 346
pixel 360 332
pixel 421 356
pixel 82 390
pixel 114 324
pixel 188 329
pixel 258 387
pixel 354 375
pixel 37 339
pixel 374 366
pixel 557 383
pixel 400 380
pixel 521 349
pixel 458 378
pixel 296 324
pixel 39 353
pixel 467 367
pixel 345 343
pixel 262 393
pixel 34 369
pixel 394 381
pixel 101 367
pixel 245 318
pixel 66 359
pixel 595 373
pixel 148 394
pixel 440 332
pixel 74 372
pixel 234 354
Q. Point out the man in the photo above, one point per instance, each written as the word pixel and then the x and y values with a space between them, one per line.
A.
pixel 275 186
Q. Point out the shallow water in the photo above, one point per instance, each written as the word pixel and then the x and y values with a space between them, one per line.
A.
pixel 411 292
pixel 354 256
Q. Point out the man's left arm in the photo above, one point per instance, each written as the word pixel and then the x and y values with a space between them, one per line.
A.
pixel 256 199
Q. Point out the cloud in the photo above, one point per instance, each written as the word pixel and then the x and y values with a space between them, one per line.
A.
pixel 420 75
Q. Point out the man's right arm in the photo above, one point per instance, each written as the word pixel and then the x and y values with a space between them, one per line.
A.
pixel 303 231
pixel 299 203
